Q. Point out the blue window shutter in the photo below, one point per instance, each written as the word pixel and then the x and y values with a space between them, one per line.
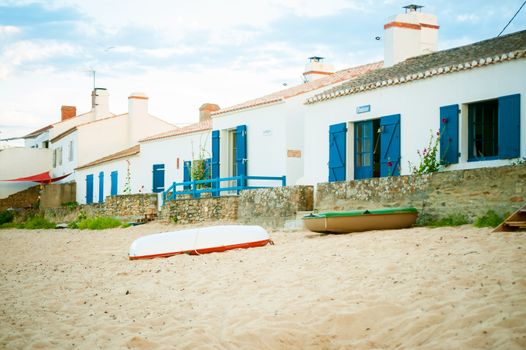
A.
pixel 363 150
pixel 449 134
pixel 337 152
pixel 89 189
pixel 187 170
pixel 114 179
pixel 241 152
pixel 215 159
pixel 509 126
pixel 390 145
pixel 158 178
pixel 101 187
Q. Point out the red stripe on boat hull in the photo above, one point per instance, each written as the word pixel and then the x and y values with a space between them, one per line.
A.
pixel 205 250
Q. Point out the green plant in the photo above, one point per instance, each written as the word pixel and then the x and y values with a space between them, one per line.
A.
pixel 98 223
pixel 449 220
pixel 490 219
pixel 37 222
pixel 70 205
pixel 127 181
pixel 6 216
pixel 429 162
pixel 7 225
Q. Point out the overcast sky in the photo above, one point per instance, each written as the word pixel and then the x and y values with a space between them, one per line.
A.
pixel 185 53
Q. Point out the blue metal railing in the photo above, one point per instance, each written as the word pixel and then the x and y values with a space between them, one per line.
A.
pixel 214 186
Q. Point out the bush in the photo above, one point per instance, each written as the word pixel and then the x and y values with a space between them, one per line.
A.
pixel 70 205
pixel 450 220
pixel 490 219
pixel 98 223
pixel 6 216
pixel 36 222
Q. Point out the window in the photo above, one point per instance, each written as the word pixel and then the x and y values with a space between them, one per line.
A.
pixel 54 158
pixel 232 154
pixel 483 130
pixel 45 144
pixel 59 156
pixel 70 157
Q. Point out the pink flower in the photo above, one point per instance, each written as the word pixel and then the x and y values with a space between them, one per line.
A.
pixel 444 120
pixel 389 164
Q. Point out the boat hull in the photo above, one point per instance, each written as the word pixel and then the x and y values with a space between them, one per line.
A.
pixel 201 240
pixel 360 223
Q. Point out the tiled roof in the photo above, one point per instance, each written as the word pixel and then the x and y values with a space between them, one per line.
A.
pixel 483 53
pixel 337 77
pixel 201 126
pixel 121 154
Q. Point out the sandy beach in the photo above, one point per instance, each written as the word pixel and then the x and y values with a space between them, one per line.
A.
pixel 420 288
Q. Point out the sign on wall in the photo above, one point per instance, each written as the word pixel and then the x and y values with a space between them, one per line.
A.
pixel 363 109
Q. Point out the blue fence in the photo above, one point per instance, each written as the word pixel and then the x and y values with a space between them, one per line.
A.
pixel 196 187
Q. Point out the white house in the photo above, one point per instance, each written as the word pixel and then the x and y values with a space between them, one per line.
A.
pixel 373 125
pixel 168 157
pixel 265 136
pixel 95 135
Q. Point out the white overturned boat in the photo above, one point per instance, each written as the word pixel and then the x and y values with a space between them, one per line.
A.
pixel 200 240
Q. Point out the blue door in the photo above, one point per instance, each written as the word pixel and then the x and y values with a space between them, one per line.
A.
pixel 187 170
pixel 158 178
pixel 89 189
pixel 363 149
pixel 101 187
pixel 215 160
pixel 390 145
pixel 337 152
pixel 241 153
pixel 509 126
pixel 449 134
pixel 114 179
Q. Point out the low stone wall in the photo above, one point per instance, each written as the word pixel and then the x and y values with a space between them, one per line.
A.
pixel 271 207
pixel 186 210
pixel 131 206
pixel 54 195
pixel 468 192
pixel 27 198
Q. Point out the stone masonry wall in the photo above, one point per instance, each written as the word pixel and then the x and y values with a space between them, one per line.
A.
pixel 468 192
pixel 130 206
pixel 27 198
pixel 271 207
pixel 186 210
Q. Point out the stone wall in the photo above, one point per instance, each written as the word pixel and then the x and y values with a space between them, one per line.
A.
pixel 187 210
pixel 468 192
pixel 131 206
pixel 54 195
pixel 271 207
pixel 24 199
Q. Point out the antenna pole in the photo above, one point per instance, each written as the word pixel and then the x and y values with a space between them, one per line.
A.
pixel 93 71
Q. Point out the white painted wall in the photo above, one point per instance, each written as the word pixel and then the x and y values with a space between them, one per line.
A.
pixel 21 162
pixel 37 141
pixel 166 151
pixel 119 165
pixel 67 166
pixel 418 103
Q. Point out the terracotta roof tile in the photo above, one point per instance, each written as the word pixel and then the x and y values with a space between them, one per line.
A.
pixel 201 126
pixel 337 77
pixel 121 154
pixel 483 53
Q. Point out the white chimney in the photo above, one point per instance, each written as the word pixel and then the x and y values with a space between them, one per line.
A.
pixel 409 34
pixel 100 103
pixel 316 69
pixel 137 117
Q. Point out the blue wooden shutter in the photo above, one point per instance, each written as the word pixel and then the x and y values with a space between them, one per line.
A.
pixel 101 187
pixel 241 152
pixel 337 152
pixel 114 179
pixel 509 126
pixel 215 160
pixel 158 178
pixel 89 189
pixel 390 145
pixel 449 134
pixel 187 170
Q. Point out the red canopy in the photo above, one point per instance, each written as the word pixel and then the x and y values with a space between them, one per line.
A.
pixel 43 178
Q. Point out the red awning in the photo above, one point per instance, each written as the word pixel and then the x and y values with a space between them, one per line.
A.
pixel 43 178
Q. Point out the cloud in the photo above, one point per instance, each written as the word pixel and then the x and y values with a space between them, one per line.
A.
pixel 468 17
pixel 7 31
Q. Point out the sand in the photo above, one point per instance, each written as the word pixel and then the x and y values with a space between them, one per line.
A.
pixel 446 288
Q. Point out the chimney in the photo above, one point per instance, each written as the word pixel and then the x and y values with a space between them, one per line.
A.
pixel 205 111
pixel 100 103
pixel 409 34
pixel 316 69
pixel 67 112
pixel 137 117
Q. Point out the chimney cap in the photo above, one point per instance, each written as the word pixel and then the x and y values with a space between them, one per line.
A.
pixel 412 7
pixel 139 95
pixel 316 59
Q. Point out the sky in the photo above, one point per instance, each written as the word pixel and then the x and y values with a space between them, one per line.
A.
pixel 186 53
